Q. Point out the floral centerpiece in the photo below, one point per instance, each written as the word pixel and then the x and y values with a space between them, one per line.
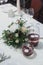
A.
pixel 18 37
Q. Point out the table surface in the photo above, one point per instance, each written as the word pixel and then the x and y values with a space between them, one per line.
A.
pixel 17 57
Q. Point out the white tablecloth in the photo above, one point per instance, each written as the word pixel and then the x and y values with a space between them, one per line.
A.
pixel 17 57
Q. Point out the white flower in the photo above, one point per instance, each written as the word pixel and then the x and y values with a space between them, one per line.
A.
pixel 23 29
pixel 17 41
pixel 26 39
pixel 16 35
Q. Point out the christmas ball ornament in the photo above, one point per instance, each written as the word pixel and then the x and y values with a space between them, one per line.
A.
pixel 27 49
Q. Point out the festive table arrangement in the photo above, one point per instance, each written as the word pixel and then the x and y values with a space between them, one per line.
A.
pixel 21 38
pixel 18 37
pixel 29 52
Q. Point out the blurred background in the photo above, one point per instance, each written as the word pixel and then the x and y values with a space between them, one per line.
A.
pixel 37 5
